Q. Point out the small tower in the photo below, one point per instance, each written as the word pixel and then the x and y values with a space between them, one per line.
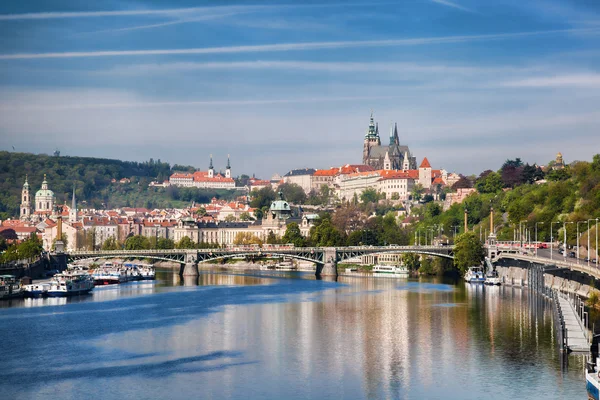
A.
pixel 73 210
pixel 387 163
pixel 406 161
pixel 425 174
pixel 25 201
pixel 559 163
pixel 211 169
pixel 228 169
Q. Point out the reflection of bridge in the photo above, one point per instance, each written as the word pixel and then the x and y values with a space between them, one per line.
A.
pixel 325 258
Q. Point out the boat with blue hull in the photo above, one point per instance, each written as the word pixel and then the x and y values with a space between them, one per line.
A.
pixel 592 373
pixel 36 290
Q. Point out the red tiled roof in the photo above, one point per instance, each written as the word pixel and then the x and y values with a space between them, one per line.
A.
pixel 327 172
pixel 425 163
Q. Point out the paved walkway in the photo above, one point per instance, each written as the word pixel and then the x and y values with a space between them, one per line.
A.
pixel 575 335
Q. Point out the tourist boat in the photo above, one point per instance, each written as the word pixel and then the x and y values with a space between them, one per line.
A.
pixel 285 266
pixel 492 278
pixel 9 287
pixel 475 275
pixel 390 271
pixel 146 272
pixel 70 283
pixel 108 276
pixel 36 290
pixel 592 373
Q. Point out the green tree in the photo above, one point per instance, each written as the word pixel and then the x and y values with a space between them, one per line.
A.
pixel 262 198
pixel 417 192
pixel 293 193
pixel 245 216
pixel 185 243
pixel 230 218
pixel 325 234
pixel 165 244
pixel 246 238
pixel 411 260
pixel 64 239
pixel 369 195
pixel 137 242
pixel 110 244
pixel 293 235
pixel 491 182
pixel 468 251
pixel 30 248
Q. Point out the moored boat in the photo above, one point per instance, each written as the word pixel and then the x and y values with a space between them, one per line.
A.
pixel 390 271
pixel 475 275
pixel 592 373
pixel 70 283
pixel 10 288
pixel 492 278
pixel 36 290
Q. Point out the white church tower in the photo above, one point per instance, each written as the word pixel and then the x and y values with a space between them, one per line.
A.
pixel 25 201
pixel 73 210
pixel 228 169
pixel 211 169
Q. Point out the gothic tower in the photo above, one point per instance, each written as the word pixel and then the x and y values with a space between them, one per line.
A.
pixel 25 201
pixel 211 169
pixel 228 169
pixel 73 210
pixel 371 139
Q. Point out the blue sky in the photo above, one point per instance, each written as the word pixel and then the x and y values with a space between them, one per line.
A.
pixel 282 85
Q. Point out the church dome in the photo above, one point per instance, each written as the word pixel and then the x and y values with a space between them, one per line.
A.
pixel 44 193
pixel 280 209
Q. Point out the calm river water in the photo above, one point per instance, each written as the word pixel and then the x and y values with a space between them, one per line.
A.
pixel 285 336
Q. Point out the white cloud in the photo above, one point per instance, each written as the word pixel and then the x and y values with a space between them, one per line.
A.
pixel 586 81
pixel 452 5
pixel 295 46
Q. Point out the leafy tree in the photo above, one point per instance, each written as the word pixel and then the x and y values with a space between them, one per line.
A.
pixel 242 238
pixel 137 242
pixel 325 234
pixel 369 195
pixel 293 193
pixel 558 175
pixel 245 216
pixel 230 218
pixel 462 183
pixel 31 248
pixel 468 251
pixel 272 238
pixel 348 218
pixel 395 196
pixel 489 182
pixel 185 243
pixel 417 192
pixel 262 198
pixel 165 244
pixel 110 244
pixel 293 235
pixel 411 260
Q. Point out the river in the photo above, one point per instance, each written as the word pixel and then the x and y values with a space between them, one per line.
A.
pixel 269 335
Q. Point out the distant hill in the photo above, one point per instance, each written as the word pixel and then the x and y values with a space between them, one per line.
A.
pixel 93 178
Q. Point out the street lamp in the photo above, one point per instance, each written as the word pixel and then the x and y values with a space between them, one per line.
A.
pixel 521 233
pixel 536 243
pixel 588 244
pixel 565 240
pixel 578 222
pixel 551 237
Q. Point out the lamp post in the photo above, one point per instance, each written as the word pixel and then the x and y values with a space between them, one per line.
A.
pixel 596 242
pixel 454 236
pixel 588 244
pixel 551 237
pixel 521 234
pixel 565 240
pixel 536 242
pixel 578 222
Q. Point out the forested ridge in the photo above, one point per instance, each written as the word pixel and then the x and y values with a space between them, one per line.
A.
pixel 92 178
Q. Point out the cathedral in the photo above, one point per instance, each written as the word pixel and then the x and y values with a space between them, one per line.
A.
pixel 392 157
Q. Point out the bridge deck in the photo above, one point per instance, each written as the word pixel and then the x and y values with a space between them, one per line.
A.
pixel 576 335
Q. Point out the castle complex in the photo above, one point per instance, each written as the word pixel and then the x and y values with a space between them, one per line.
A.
pixel 392 157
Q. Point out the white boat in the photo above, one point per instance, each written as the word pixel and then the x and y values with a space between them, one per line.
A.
pixel 9 287
pixel 285 266
pixel 146 272
pixel 475 275
pixel 391 271
pixel 592 373
pixel 492 278
pixel 36 290
pixel 70 283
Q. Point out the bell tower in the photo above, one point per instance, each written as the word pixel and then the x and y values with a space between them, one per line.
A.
pixel 211 169
pixel 228 169
pixel 25 201
pixel 371 139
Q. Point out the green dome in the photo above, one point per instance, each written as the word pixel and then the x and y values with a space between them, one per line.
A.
pixel 280 205
pixel 44 193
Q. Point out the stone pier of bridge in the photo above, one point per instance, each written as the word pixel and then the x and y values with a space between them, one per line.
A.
pixel 329 265
pixel 190 268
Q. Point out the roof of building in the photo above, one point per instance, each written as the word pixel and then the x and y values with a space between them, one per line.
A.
pixel 301 171
pixel 425 163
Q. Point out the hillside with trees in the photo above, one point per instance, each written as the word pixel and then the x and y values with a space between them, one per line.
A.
pixel 93 181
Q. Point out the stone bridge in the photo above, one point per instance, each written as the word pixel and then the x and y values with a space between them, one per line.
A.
pixel 326 258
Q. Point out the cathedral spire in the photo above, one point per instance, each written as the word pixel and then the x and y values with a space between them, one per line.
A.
pixel 391 134
pixel 228 165
pixel 371 133
pixel 396 138
pixel 73 210
pixel 210 166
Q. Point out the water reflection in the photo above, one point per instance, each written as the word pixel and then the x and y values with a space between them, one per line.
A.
pixel 237 336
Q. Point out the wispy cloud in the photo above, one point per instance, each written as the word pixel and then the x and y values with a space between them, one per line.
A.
pixel 453 5
pixel 171 11
pixel 297 46
pixel 558 81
